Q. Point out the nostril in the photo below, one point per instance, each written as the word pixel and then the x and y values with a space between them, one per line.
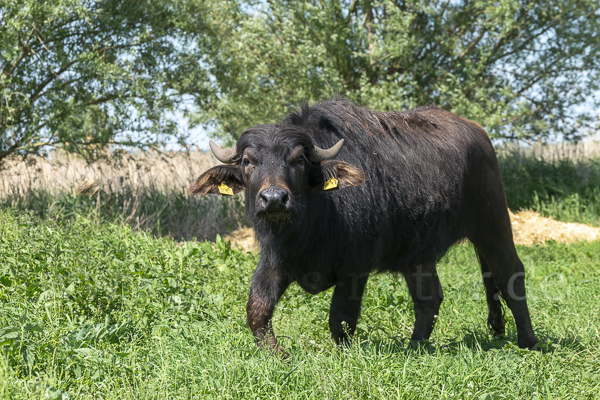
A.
pixel 274 197
pixel 268 196
pixel 264 196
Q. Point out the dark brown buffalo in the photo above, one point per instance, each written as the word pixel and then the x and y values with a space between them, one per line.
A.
pixel 409 185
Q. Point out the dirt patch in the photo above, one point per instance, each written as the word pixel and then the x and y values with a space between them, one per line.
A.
pixel 529 227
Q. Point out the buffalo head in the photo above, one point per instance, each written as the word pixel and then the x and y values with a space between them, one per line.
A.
pixel 279 168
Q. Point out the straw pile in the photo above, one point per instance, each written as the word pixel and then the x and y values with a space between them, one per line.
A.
pixel 244 239
pixel 529 228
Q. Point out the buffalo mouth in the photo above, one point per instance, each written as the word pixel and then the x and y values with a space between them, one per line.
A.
pixel 274 215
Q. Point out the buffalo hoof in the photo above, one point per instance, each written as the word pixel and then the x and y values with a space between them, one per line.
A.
pixel 496 324
pixel 420 345
pixel 497 332
pixel 529 342
pixel 280 352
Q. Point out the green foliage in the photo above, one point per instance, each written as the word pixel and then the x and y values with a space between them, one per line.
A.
pixel 82 74
pixel 565 189
pixel 517 67
pixel 97 311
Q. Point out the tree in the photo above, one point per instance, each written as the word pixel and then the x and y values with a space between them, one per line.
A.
pixel 522 69
pixel 81 74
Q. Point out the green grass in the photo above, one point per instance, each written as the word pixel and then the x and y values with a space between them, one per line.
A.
pixel 90 310
pixel 562 188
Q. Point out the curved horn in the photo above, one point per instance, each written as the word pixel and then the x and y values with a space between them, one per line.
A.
pixel 319 154
pixel 226 156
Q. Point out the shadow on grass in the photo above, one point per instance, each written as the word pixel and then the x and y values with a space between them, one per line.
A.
pixel 473 340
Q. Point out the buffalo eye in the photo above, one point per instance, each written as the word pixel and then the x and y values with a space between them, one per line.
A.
pixel 301 160
pixel 246 162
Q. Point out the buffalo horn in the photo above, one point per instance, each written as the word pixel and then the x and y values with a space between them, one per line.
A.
pixel 226 156
pixel 319 154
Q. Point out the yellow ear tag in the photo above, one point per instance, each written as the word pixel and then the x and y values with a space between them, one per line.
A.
pixel 226 190
pixel 330 184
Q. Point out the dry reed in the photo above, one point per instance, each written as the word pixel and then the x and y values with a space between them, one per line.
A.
pixel 552 153
pixel 61 172
pixel 146 190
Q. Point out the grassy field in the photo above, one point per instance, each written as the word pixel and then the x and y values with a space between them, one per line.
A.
pixel 95 310
pixel 111 296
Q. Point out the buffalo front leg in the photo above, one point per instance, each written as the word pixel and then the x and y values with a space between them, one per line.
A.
pixel 267 287
pixel 345 306
pixel 426 291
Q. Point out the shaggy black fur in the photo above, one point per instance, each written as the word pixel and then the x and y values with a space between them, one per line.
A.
pixel 412 184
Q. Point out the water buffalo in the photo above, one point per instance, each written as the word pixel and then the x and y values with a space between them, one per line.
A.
pixel 335 191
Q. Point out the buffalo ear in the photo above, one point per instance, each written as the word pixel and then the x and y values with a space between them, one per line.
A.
pixel 320 177
pixel 222 176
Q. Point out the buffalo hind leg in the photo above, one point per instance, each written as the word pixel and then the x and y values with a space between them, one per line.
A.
pixel 508 275
pixel 266 289
pixel 495 315
pixel 426 291
pixel 345 306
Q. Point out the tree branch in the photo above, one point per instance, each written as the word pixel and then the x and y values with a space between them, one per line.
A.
pixel 24 53
pixel 471 45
